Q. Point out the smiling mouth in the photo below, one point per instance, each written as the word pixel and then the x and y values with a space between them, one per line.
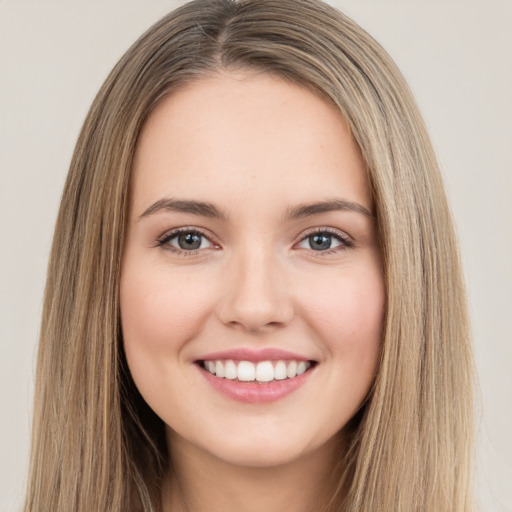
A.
pixel 262 372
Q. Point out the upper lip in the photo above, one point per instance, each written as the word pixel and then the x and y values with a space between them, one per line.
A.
pixel 255 356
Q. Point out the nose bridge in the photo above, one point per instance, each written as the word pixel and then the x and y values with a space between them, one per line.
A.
pixel 256 294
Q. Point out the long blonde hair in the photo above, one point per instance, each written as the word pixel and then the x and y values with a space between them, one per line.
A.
pixel 96 445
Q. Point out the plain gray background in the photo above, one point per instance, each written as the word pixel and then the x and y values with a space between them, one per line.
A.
pixel 457 57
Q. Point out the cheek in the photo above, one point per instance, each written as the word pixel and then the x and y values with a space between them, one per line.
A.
pixel 348 318
pixel 345 319
pixel 160 312
pixel 155 308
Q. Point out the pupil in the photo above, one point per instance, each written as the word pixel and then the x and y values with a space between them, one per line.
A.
pixel 320 242
pixel 189 241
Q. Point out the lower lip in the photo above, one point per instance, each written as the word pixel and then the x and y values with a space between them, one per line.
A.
pixel 254 393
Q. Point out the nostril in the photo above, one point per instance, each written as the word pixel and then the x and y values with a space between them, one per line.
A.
pixel 255 303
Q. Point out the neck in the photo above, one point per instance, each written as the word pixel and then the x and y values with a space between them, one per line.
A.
pixel 200 482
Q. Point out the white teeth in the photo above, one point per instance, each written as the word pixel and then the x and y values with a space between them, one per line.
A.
pixel 219 369
pixel 301 368
pixel 264 371
pixel 230 371
pixel 280 370
pixel 246 371
pixel 291 370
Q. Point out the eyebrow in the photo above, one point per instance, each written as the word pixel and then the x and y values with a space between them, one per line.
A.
pixel 205 209
pixel 201 208
pixel 331 205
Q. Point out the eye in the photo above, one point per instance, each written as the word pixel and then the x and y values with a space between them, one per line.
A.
pixel 325 241
pixel 185 240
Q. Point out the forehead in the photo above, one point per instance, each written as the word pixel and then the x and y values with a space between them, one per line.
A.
pixel 246 134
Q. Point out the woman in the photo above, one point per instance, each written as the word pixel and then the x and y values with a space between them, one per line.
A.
pixel 251 297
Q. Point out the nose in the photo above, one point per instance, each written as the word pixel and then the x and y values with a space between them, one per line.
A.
pixel 255 296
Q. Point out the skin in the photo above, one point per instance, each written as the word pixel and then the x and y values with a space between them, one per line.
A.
pixel 255 147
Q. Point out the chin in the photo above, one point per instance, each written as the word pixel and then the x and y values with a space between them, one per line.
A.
pixel 261 446
pixel 259 455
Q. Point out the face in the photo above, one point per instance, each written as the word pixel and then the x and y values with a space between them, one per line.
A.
pixel 252 294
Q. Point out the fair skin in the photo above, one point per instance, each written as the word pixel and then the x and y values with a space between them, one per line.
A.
pixel 275 262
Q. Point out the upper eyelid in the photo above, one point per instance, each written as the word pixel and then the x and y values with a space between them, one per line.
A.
pixel 323 229
pixel 332 231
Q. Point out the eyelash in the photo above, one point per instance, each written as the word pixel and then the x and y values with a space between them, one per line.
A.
pixel 167 237
pixel 344 240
